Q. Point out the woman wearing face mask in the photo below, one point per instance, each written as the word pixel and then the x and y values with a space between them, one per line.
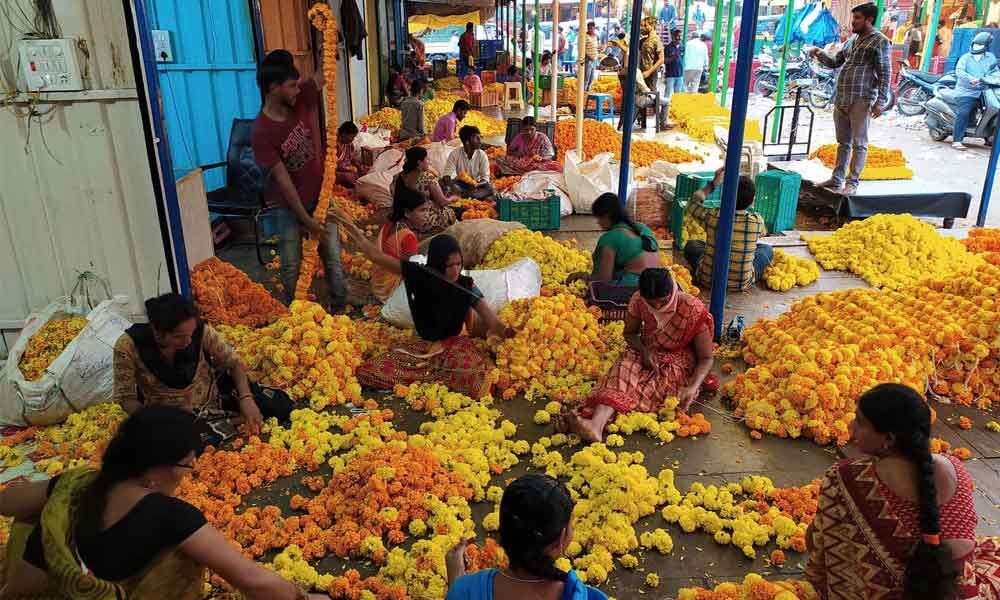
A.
pixel 535 529
pixel 178 360
pixel 120 532
pixel 669 336
pixel 899 522
pixel 448 312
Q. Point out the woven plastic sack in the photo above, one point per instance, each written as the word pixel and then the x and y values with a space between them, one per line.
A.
pixel 474 237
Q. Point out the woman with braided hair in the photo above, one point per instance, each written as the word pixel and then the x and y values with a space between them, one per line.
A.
pixel 900 521
pixel 535 529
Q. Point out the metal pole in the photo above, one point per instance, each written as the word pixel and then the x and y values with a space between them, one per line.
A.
pixel 581 71
pixel 524 48
pixel 684 34
pixel 713 74
pixel 991 171
pixel 879 6
pixel 628 100
pixel 931 35
pixel 779 94
pixel 727 210
pixel 555 57
pixel 729 48
pixel 536 63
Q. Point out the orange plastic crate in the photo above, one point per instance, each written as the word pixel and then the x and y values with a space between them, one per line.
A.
pixel 488 77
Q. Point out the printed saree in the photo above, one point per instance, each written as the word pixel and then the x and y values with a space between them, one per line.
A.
pixel 68 580
pixel 863 536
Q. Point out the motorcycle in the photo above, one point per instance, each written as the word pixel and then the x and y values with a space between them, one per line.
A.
pixel 766 77
pixel 915 88
pixel 822 92
pixel 940 112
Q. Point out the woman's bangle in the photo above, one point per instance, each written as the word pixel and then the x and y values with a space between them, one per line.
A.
pixel 247 396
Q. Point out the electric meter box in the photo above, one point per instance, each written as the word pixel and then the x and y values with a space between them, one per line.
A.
pixel 51 65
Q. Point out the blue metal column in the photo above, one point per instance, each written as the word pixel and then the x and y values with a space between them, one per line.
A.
pixel 628 100
pixel 991 171
pixel 727 211
pixel 166 174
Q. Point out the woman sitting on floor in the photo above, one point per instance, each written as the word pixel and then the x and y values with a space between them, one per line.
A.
pixel 530 150
pixel 397 239
pixel 123 522
pixel 624 250
pixel 178 360
pixel 448 312
pixel 669 336
pixel 900 521
pixel 535 530
pixel 418 177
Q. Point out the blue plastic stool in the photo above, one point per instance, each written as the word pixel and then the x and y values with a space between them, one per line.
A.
pixel 604 107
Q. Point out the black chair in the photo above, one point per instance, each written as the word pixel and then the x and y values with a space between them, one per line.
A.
pixel 243 195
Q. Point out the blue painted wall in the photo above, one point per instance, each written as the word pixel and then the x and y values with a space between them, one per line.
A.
pixel 210 82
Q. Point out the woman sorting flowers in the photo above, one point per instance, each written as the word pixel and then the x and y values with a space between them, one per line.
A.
pixel 448 312
pixel 397 239
pixel 417 176
pixel 178 360
pixel 900 521
pixel 535 530
pixel 625 249
pixel 120 532
pixel 530 150
pixel 669 336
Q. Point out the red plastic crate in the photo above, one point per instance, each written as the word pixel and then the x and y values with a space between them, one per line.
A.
pixel 488 77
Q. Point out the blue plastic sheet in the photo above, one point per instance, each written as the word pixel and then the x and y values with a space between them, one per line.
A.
pixel 812 24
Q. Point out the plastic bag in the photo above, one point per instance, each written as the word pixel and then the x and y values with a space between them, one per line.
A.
pixel 535 184
pixel 522 279
pixel 474 237
pixel 438 152
pixel 80 376
pixel 376 187
pixel 586 180
pixel 391 159
pixel 371 139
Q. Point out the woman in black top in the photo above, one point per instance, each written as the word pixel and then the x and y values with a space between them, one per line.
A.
pixel 120 532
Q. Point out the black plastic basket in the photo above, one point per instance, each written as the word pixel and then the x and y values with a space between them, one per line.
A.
pixel 611 299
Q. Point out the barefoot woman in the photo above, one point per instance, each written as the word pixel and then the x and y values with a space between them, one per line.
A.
pixel 669 335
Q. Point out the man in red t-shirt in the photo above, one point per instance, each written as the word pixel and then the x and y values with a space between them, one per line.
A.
pixel 466 47
pixel 285 140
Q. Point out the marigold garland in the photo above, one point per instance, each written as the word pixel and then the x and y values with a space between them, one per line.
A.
pixel 226 296
pixel 47 344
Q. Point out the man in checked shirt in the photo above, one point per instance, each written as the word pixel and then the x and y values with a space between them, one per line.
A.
pixel 862 93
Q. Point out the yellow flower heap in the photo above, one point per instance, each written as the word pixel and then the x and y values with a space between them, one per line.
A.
pixel 891 251
pixel 309 353
pixel 78 441
pixel 882 164
pixel 810 364
pixel 556 259
pixel 699 114
pixel 787 271
pixel 47 344
pixel 386 118
pixel 559 350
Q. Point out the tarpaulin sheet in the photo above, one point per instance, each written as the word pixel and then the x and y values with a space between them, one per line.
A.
pixel 949 205
pixel 422 22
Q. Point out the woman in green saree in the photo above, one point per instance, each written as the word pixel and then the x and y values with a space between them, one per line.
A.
pixel 119 532
pixel 624 250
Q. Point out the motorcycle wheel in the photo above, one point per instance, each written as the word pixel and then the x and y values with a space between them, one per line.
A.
pixel 821 98
pixel 910 100
pixel 765 86
pixel 938 135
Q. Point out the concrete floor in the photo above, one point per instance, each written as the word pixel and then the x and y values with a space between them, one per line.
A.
pixel 727 454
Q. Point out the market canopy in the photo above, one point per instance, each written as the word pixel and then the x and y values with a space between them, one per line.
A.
pixel 422 22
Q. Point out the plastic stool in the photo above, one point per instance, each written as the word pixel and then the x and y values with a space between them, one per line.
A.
pixel 512 96
pixel 604 107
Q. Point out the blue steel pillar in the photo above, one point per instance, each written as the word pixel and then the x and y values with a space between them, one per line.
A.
pixel 991 171
pixel 628 99
pixel 727 210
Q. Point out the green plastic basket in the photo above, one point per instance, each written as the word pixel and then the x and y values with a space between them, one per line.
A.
pixel 545 82
pixel 777 199
pixel 689 183
pixel 536 215
pixel 677 210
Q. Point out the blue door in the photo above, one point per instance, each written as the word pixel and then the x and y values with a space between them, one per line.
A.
pixel 210 81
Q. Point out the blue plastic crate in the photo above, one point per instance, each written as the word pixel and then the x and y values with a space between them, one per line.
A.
pixel 777 199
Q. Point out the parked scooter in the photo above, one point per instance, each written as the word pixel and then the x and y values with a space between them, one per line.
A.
pixel 766 77
pixel 914 88
pixel 940 117
pixel 821 93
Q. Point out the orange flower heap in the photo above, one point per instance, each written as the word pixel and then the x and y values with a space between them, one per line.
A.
pixel 753 587
pixel 47 344
pixel 985 242
pixel 225 295
pixel 599 137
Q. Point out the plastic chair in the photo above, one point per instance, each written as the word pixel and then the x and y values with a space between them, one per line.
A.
pixel 512 96
pixel 604 107
pixel 242 197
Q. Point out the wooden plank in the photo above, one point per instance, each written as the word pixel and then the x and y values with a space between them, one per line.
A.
pixel 194 217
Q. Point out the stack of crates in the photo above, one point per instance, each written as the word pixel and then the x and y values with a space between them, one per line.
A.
pixel 490 96
pixel 777 199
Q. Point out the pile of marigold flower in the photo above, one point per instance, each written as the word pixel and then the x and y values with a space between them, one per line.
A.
pixel 753 586
pixel 225 295
pixel 559 349
pixel 787 271
pixel 882 163
pixel 891 251
pixel 503 184
pixel 385 118
pixel 986 243
pixel 475 209
pixel 47 344
pixel 599 137
pixel 557 259
pixel 356 265
pixel 662 426
pixel 308 353
pixel 699 114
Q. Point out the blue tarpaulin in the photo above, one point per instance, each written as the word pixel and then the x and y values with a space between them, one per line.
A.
pixel 812 24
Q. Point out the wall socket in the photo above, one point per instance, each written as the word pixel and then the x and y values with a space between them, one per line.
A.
pixel 161 46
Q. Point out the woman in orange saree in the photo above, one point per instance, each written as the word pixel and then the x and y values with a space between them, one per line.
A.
pixel 669 334
pixel 900 521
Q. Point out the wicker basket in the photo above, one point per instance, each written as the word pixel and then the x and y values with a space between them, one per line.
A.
pixel 611 299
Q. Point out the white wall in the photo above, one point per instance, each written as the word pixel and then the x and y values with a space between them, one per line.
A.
pixel 76 191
